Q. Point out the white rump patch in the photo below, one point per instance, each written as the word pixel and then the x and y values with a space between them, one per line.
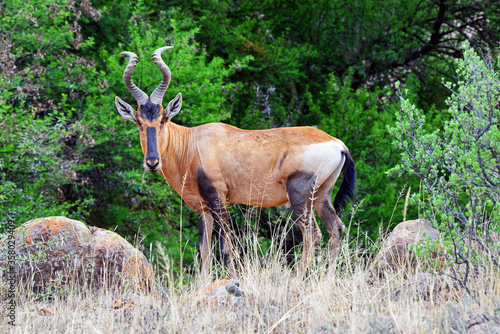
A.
pixel 322 159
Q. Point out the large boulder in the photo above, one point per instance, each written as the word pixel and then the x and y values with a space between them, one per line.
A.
pixel 53 252
pixel 395 250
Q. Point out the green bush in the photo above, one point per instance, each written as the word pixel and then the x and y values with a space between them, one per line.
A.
pixel 459 164
pixel 43 85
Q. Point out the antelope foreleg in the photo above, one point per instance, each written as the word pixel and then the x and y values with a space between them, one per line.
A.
pixel 213 196
pixel 206 223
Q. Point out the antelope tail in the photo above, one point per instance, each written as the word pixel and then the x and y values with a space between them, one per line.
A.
pixel 348 186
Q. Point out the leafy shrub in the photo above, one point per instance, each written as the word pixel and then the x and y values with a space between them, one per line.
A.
pixel 459 164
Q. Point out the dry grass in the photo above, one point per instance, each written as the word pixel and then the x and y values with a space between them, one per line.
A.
pixel 342 301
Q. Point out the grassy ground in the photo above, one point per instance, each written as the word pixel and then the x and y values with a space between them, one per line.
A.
pixel 342 301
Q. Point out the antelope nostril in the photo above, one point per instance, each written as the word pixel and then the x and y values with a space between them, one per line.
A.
pixel 152 163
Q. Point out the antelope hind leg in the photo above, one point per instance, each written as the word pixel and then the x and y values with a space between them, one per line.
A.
pixel 299 186
pixel 334 225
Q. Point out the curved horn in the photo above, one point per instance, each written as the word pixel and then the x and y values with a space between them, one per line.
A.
pixel 157 95
pixel 139 95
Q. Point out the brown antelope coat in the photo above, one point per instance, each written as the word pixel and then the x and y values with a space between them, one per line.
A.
pixel 216 164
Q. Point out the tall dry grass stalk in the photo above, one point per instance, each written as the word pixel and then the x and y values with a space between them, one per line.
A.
pixel 341 300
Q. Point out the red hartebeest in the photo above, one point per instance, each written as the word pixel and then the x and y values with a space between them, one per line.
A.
pixel 216 164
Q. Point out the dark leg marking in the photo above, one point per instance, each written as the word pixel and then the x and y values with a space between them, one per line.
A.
pixel 299 186
pixel 207 190
pixel 214 203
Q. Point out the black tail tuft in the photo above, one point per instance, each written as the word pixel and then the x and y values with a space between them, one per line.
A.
pixel 348 186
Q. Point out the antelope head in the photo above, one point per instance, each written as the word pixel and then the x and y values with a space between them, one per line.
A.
pixel 150 116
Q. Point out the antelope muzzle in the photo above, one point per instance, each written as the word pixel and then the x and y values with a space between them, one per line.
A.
pixel 152 159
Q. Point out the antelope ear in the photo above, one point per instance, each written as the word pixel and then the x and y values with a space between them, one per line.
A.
pixel 174 106
pixel 125 109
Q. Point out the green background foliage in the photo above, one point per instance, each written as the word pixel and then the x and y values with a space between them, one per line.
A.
pixel 255 64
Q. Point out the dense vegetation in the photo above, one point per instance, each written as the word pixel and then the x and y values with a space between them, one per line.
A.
pixel 255 64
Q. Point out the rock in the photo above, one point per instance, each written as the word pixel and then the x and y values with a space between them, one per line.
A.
pixel 55 251
pixel 111 254
pixel 424 286
pixel 395 250
pixel 223 293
